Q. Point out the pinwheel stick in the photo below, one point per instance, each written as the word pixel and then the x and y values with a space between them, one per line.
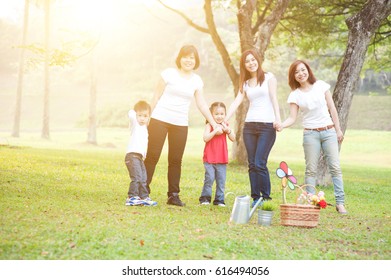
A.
pixel 284 184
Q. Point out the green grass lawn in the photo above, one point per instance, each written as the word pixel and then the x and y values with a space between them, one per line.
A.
pixel 62 199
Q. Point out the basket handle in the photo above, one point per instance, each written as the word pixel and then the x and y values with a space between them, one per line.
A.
pixel 304 189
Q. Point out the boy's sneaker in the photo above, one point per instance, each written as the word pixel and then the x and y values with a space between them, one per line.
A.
pixel 133 201
pixel 175 200
pixel 205 203
pixel 221 204
pixel 148 202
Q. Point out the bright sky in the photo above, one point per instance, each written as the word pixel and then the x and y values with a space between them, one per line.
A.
pixel 11 10
pixel 89 14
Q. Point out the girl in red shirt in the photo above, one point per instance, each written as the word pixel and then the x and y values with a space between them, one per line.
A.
pixel 216 155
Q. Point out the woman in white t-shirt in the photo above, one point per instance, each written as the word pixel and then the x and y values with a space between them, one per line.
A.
pixel 262 118
pixel 321 131
pixel 170 112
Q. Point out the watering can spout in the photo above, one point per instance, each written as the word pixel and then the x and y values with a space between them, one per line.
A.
pixel 259 202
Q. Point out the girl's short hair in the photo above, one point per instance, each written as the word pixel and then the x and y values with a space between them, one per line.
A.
pixel 185 51
pixel 291 74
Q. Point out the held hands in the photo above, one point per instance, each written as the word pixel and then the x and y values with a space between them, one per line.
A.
pixel 218 129
pixel 278 126
pixel 225 128
pixel 221 128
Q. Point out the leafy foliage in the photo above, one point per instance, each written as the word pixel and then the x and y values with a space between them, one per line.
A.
pixel 268 206
pixel 317 31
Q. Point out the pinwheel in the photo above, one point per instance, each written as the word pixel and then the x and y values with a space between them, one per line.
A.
pixel 287 178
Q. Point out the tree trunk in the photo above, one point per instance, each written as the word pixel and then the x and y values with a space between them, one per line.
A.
pixel 46 112
pixel 18 107
pixel 245 15
pixel 362 27
pixel 92 117
pixel 248 41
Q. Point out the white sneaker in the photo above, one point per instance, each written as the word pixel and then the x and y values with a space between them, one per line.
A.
pixel 133 201
pixel 148 202
pixel 205 203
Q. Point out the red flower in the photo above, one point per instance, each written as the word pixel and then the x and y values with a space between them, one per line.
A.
pixel 322 204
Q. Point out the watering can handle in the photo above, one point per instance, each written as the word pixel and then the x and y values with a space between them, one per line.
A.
pixel 255 207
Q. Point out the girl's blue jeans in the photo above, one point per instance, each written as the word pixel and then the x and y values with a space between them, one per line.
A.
pixel 214 172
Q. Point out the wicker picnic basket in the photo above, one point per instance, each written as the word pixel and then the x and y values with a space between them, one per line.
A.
pixel 300 215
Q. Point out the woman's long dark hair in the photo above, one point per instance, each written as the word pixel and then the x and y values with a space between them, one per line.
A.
pixel 244 74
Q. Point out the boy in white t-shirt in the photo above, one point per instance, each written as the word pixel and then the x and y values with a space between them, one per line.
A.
pixel 135 155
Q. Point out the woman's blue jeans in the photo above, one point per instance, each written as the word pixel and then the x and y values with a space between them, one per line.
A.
pixel 259 139
pixel 313 143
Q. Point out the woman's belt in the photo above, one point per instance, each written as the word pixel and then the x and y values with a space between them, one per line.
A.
pixel 320 128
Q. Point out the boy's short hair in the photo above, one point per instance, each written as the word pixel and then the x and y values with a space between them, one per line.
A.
pixel 142 106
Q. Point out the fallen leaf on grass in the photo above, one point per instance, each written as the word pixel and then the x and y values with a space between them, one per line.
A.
pixel 44 253
pixel 142 242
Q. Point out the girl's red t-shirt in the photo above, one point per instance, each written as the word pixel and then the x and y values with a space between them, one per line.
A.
pixel 216 150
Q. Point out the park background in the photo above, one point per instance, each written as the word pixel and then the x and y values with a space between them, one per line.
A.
pixel 64 197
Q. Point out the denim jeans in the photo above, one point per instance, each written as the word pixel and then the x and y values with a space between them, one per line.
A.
pixel 259 139
pixel 313 143
pixel 138 175
pixel 214 171
pixel 177 135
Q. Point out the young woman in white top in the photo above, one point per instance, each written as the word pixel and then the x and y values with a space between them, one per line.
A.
pixel 262 118
pixel 321 131
pixel 170 109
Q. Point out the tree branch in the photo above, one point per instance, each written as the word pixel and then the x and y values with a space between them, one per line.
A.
pixel 261 18
pixel 219 43
pixel 186 18
pixel 266 29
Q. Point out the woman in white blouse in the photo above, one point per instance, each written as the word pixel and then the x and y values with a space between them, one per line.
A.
pixel 322 130
pixel 262 119
pixel 170 113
